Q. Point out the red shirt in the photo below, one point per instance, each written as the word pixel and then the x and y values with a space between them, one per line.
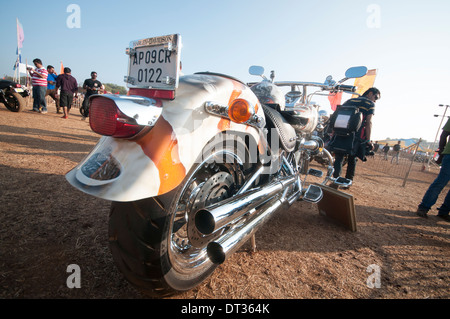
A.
pixel 36 80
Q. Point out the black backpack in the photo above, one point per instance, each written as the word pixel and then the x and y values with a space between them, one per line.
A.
pixel 347 119
pixel 345 124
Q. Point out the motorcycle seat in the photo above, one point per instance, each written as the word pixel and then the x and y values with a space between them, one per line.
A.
pixel 286 132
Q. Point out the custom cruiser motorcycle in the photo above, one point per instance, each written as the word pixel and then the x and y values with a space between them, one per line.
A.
pixel 193 165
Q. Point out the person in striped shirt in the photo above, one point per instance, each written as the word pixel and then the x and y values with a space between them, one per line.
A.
pixel 39 81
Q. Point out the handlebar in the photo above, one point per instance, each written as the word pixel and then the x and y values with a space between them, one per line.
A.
pixel 306 98
pixel 348 88
pixel 340 87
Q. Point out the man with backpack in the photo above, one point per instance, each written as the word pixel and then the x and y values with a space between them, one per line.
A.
pixel 359 139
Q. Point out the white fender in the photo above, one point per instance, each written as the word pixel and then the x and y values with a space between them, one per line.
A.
pixel 158 161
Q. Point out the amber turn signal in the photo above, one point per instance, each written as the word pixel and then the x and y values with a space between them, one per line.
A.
pixel 240 111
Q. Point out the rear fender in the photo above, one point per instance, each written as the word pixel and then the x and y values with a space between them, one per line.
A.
pixel 158 161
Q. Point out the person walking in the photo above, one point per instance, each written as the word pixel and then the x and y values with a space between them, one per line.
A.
pixel 434 190
pixel 69 89
pixel 39 82
pixel 51 87
pixel 376 146
pixel 396 150
pixel 386 151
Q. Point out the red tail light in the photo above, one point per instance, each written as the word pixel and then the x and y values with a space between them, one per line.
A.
pixel 106 119
pixel 18 85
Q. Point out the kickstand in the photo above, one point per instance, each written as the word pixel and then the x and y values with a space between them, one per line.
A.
pixel 253 239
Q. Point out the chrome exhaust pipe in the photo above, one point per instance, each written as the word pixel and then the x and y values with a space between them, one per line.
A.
pixel 226 245
pixel 313 144
pixel 210 219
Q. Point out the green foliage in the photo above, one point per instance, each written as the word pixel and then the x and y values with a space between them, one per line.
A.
pixel 114 88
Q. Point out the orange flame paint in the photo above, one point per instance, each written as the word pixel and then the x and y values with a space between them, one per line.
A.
pixel 161 146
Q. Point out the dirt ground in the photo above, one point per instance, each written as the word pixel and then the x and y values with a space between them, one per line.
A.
pixel 47 225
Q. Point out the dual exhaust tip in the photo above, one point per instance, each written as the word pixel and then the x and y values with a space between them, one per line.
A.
pixel 204 222
pixel 214 219
pixel 266 201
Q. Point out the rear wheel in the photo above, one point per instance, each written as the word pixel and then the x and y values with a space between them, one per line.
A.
pixel 84 109
pixel 153 241
pixel 14 101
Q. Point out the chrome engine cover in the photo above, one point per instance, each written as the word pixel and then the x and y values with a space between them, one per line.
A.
pixel 303 118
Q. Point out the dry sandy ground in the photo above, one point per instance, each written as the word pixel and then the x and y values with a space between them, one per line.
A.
pixel 47 225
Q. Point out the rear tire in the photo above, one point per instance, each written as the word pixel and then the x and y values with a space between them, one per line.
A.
pixel 84 110
pixel 14 102
pixel 151 239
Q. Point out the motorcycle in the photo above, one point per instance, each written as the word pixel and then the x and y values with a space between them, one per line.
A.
pixel 12 94
pixel 312 123
pixel 194 165
pixel 84 108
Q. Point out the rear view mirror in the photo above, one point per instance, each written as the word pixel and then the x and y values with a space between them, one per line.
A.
pixel 356 72
pixel 329 81
pixel 256 70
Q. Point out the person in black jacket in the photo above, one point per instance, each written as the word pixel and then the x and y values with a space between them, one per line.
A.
pixel 69 89
pixel 396 150
pixel 386 149
pixel 366 105
pixel 92 86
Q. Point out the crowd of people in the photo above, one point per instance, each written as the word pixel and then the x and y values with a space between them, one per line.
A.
pixel 46 82
pixel 386 148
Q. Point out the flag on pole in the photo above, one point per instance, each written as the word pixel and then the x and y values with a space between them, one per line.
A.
pixel 61 70
pixel 365 83
pixel 18 61
pixel 20 38
pixel 335 99
pixel 20 35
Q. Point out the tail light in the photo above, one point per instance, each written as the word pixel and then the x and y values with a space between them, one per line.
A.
pixel 17 85
pixel 105 118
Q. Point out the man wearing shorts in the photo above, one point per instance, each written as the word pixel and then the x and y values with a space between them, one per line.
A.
pixel 69 88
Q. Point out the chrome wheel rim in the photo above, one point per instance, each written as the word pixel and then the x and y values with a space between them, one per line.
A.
pixel 212 181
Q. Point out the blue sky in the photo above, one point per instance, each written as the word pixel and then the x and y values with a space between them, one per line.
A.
pixel 408 43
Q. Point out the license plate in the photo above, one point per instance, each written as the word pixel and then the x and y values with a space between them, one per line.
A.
pixel 154 62
pixel 18 90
